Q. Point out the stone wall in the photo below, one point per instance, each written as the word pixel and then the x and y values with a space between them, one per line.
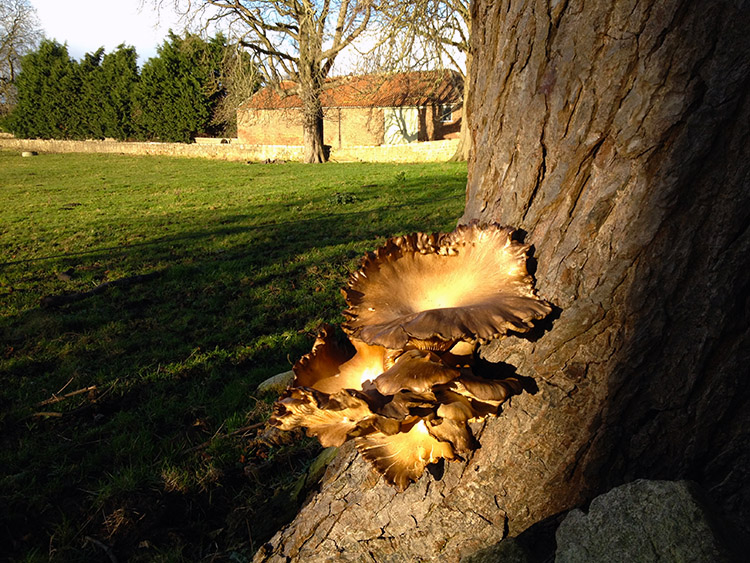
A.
pixel 434 151
pixel 431 151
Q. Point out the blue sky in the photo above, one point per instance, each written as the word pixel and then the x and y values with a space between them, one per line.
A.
pixel 86 25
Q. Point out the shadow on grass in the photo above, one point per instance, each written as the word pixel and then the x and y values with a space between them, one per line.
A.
pixel 175 360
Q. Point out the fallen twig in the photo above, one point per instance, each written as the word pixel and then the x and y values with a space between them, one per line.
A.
pixel 64 387
pixel 48 413
pixel 57 398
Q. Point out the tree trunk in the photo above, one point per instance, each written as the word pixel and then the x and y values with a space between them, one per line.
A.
pixel 617 135
pixel 311 78
pixel 312 127
pixel 464 144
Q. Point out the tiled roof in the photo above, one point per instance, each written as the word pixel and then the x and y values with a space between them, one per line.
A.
pixel 372 90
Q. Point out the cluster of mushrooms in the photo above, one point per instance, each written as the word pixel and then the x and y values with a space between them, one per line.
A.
pixel 402 386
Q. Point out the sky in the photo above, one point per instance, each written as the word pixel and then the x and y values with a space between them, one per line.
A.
pixel 86 25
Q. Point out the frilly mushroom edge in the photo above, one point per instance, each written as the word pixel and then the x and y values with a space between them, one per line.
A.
pixel 403 387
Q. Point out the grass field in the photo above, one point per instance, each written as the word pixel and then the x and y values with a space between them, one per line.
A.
pixel 164 290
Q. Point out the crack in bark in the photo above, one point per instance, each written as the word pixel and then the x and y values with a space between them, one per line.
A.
pixel 556 20
pixel 677 16
pixel 542 169
pixel 586 162
pixel 490 522
pixel 572 111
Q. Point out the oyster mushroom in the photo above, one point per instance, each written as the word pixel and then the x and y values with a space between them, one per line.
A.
pixel 333 419
pixel 403 386
pixel 331 367
pixel 402 458
pixel 454 432
pixel 460 355
pixel 470 398
pixel 492 392
pixel 431 291
pixel 405 404
pixel 322 362
pixel 456 408
pixel 415 370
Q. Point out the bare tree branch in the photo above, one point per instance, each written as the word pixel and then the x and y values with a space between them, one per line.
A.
pixel 288 39
pixel 19 35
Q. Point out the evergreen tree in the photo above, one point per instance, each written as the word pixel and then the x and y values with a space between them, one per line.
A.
pixel 47 89
pixel 120 77
pixel 179 89
pixel 88 110
pixel 174 99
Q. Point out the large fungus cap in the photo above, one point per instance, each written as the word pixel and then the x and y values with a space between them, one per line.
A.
pixel 331 366
pixel 430 291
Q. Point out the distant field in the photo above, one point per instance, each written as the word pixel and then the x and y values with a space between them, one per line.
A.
pixel 168 289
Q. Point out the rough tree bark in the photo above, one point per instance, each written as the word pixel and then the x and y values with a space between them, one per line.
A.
pixel 312 117
pixel 463 150
pixel 617 135
pixel 311 78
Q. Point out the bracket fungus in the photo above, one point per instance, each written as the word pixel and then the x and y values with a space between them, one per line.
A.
pixel 403 386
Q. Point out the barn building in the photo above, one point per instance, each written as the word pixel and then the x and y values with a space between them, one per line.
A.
pixel 367 110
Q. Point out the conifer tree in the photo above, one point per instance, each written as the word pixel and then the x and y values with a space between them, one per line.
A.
pixel 90 87
pixel 179 89
pixel 46 93
pixel 120 76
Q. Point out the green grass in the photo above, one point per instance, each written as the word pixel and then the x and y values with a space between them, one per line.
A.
pixel 247 261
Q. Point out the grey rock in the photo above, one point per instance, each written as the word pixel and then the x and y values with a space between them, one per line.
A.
pixel 276 384
pixel 509 550
pixel 644 521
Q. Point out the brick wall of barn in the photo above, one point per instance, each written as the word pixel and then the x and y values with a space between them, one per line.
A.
pixel 342 127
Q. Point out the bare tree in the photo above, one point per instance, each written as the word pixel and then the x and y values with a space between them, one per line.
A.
pixel 240 79
pixel 426 34
pixel 297 40
pixel 19 34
